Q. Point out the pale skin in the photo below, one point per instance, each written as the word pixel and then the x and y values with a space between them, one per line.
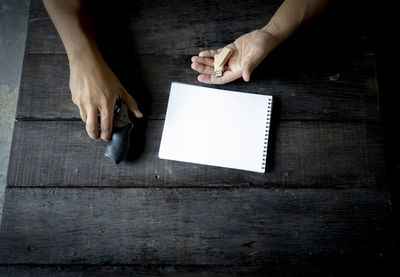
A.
pixel 95 88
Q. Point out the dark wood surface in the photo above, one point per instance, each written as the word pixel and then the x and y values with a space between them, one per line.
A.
pixel 323 207
pixel 311 95
pixel 352 158
pixel 185 226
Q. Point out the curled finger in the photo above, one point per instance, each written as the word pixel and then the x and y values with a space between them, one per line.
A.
pixel 209 53
pixel 228 76
pixel 201 68
pixel 92 123
pixel 83 114
pixel 106 120
pixel 202 60
pixel 130 103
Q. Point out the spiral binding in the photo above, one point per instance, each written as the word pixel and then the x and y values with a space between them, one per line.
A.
pixel 269 108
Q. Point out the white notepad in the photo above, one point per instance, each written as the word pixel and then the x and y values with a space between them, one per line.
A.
pixel 216 127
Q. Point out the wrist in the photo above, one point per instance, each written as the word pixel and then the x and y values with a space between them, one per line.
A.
pixel 84 52
pixel 270 41
pixel 273 38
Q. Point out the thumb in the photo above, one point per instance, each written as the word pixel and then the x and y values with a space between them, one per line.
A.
pixel 246 71
pixel 131 103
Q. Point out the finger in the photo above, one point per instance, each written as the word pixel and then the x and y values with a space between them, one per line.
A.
pixel 106 119
pixel 209 53
pixel 92 123
pixel 247 69
pixel 204 78
pixel 228 76
pixel 206 61
pixel 131 103
pixel 201 68
pixel 83 114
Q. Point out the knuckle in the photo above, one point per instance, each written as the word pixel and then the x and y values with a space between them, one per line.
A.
pixel 77 101
pixel 106 113
pixel 74 97
pixel 83 117
pixel 124 94
pixel 106 119
pixel 104 101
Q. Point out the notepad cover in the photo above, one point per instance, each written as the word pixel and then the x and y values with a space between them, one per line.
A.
pixel 216 127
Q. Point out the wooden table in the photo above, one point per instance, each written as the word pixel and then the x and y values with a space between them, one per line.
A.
pixel 323 206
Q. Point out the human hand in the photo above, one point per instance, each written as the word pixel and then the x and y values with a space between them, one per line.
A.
pixel 249 51
pixel 95 90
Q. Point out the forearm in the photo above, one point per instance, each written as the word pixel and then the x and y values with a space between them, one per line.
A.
pixel 74 27
pixel 290 16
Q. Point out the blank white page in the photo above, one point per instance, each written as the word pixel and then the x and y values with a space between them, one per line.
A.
pixel 216 127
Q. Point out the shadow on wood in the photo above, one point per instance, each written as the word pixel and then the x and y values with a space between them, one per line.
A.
pixel 272 140
pixel 111 24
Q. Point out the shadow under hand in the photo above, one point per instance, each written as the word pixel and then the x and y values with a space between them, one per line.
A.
pixel 138 138
pixel 111 23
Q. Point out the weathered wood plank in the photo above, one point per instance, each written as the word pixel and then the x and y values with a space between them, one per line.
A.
pixel 338 267
pixel 150 270
pixel 37 9
pixel 301 154
pixel 315 75
pixel 157 26
pixel 240 226
pixel 152 27
pixel 324 75
pixel 146 270
pixel 303 92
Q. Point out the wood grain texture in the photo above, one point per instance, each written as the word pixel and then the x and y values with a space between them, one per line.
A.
pixel 300 93
pixel 150 27
pixel 153 270
pixel 37 9
pixel 322 209
pixel 157 26
pixel 187 226
pixel 301 154
pixel 337 266
pixel 325 72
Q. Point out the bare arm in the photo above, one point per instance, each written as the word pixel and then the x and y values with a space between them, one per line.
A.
pixel 94 87
pixel 291 15
pixel 252 48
